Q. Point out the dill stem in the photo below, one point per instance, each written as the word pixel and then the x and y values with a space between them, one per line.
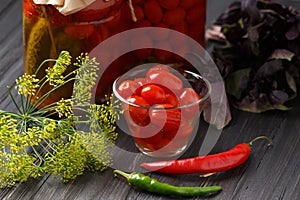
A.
pixel 40 66
pixel 13 100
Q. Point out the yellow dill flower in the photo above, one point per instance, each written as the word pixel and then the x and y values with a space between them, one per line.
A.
pixel 55 74
pixel 85 80
pixel 64 107
pixel 68 160
pixel 33 135
pixel 64 58
pixel 49 129
pixel 98 148
pixel 27 84
pixel 103 117
pixel 15 168
pixel 9 137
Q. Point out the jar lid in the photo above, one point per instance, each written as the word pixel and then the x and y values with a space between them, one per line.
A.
pixel 66 7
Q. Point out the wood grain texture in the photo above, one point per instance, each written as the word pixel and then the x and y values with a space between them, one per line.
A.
pixel 270 173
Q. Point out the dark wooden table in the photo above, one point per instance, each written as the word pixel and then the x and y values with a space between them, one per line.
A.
pixel 270 173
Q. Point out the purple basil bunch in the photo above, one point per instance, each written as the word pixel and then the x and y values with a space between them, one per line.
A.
pixel 260 56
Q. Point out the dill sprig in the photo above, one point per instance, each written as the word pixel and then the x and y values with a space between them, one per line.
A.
pixel 39 140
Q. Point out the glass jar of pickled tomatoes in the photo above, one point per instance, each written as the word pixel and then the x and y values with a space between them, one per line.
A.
pixel 48 30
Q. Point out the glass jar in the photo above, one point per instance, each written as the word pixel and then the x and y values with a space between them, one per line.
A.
pixel 47 32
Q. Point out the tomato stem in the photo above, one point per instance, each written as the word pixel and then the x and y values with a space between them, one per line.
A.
pixel 261 137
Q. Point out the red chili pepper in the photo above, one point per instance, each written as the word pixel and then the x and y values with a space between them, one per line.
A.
pixel 206 164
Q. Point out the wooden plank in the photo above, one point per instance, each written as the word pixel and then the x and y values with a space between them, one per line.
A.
pixel 10 18
pixel 270 173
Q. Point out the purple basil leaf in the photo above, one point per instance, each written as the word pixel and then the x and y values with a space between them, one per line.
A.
pixel 269 69
pixel 231 15
pixel 233 33
pixel 278 97
pixel 254 92
pixel 282 54
pixel 294 46
pixel 292 33
pixel 266 40
pixel 250 11
pixel 276 9
pixel 253 33
pixel 261 104
pixel 291 82
pixel 237 82
pixel 274 84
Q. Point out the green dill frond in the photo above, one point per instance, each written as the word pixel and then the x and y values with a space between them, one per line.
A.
pixel 33 144
pixel 27 85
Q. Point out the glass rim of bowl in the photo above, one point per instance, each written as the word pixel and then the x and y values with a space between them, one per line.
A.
pixel 201 100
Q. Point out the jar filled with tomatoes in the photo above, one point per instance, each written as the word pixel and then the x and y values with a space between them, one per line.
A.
pixel 79 26
pixel 49 28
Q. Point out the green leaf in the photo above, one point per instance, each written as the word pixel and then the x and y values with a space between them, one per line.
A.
pixel 234 84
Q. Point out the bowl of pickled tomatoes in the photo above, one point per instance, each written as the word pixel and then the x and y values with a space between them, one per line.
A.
pixel 161 107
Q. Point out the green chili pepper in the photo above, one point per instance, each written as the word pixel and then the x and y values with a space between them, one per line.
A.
pixel 152 185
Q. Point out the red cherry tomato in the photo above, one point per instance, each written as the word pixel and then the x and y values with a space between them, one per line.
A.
pixel 137 114
pixel 153 94
pixel 79 31
pixel 185 130
pixel 141 81
pixel 101 33
pixel 29 9
pixel 195 14
pixel 139 13
pixel 169 4
pixel 159 35
pixel 157 68
pixel 167 80
pixel 141 24
pixel 94 12
pixel 173 17
pixel 127 88
pixel 181 27
pixel 172 99
pixel 155 142
pixel 187 4
pixel 144 132
pixel 153 11
pixel 57 19
pixel 189 96
pixel 169 119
